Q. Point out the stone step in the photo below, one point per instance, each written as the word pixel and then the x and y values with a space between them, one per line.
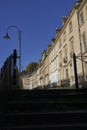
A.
pixel 51 127
pixel 40 106
pixel 42 120
pixel 27 110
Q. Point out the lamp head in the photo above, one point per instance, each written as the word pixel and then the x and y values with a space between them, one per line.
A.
pixel 6 36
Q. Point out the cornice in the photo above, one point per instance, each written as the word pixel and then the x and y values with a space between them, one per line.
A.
pixel 76 6
pixel 82 3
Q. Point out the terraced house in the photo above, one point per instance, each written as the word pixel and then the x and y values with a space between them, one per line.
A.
pixel 56 65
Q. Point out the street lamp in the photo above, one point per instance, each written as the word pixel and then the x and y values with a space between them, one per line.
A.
pixel 19 38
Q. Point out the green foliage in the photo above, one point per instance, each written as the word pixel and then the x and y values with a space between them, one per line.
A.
pixel 23 72
pixel 32 66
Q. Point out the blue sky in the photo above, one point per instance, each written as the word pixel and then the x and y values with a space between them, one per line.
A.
pixel 37 20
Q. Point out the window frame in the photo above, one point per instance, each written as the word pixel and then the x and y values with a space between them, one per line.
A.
pixel 70 27
pixel 81 19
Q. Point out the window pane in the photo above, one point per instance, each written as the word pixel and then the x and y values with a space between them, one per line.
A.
pixel 81 19
pixel 83 42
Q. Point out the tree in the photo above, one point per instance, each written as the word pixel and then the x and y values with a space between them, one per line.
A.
pixel 32 66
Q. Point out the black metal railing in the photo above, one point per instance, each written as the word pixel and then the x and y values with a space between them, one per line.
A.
pixel 9 76
pixel 9 80
pixel 8 71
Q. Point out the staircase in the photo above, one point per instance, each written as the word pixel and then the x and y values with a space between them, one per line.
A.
pixel 44 109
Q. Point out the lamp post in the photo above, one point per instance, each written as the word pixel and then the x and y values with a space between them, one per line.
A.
pixel 19 38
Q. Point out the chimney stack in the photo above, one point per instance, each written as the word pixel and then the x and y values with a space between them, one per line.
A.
pixel 64 20
pixel 57 31
pixel 53 41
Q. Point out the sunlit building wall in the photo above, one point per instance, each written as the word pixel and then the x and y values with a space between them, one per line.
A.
pixel 56 65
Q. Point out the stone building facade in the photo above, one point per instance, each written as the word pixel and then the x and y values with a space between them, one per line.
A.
pixel 56 65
